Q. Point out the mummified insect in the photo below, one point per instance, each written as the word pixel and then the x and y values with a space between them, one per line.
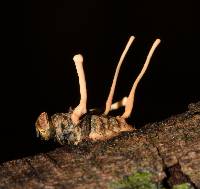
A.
pixel 78 124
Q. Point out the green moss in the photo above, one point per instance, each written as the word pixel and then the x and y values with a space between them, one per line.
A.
pixel 182 186
pixel 143 180
pixel 139 180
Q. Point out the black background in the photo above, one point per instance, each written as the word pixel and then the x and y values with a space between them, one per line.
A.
pixel 54 31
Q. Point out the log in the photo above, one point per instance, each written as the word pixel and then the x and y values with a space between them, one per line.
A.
pixel 169 149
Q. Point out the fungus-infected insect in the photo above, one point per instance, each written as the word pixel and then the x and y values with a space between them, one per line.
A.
pixel 78 124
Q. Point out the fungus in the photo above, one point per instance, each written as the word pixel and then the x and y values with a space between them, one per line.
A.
pixel 118 104
pixel 112 89
pixel 67 127
pixel 81 109
pixel 130 100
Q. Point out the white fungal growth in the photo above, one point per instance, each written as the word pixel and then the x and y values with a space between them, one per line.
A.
pixel 81 109
pixel 93 126
pixel 130 100
pixel 112 89
pixel 126 101
pixel 119 104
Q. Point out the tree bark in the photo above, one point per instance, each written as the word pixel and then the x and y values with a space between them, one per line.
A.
pixel 170 150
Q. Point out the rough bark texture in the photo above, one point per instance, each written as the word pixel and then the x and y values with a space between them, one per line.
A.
pixel 169 149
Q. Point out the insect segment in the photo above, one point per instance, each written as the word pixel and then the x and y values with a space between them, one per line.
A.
pixel 79 124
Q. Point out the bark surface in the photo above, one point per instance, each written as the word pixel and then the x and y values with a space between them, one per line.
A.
pixel 170 150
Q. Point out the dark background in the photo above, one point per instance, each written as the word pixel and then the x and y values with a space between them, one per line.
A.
pixel 54 31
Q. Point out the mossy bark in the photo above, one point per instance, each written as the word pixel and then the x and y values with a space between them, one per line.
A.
pixel 169 150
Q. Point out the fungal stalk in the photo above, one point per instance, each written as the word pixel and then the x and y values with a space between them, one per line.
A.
pixel 119 104
pixel 130 100
pixel 81 108
pixel 112 89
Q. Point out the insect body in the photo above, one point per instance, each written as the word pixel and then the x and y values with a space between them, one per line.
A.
pixel 78 124
pixel 91 127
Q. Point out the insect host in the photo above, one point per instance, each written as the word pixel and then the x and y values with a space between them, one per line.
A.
pixel 80 124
